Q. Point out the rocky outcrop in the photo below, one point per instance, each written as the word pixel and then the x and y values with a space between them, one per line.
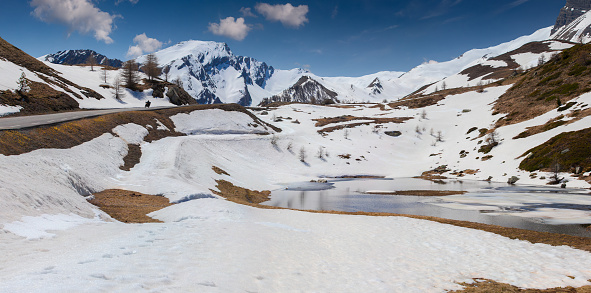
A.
pixel 375 87
pixel 571 11
pixel 307 91
pixel 77 57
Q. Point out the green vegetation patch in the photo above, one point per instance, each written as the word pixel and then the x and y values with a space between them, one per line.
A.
pixel 569 149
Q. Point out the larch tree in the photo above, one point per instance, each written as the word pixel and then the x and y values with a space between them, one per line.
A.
pixel 166 71
pixel 150 67
pixel 130 75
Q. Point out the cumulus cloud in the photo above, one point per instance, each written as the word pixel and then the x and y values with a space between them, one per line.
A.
pixel 143 45
pixel 231 28
pixel 287 14
pixel 78 15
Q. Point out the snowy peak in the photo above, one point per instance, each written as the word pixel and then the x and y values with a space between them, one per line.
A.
pixel 211 73
pixel 305 90
pixel 577 31
pixel 375 87
pixel 76 57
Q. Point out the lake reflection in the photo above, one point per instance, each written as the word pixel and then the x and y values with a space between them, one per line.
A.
pixel 477 205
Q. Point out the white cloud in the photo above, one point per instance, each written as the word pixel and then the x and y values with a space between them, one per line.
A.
pixel 235 29
pixel 132 1
pixel 287 14
pixel 78 15
pixel 143 45
pixel 247 12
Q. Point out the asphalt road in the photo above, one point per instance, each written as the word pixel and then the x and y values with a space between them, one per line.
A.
pixel 20 122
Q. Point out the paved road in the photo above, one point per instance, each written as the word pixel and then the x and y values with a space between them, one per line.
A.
pixel 20 122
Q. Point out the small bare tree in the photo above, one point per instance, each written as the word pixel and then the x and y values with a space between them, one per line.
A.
pixel 130 75
pixel 320 153
pixel 104 75
pixel 290 146
pixel 166 71
pixel 541 60
pixel 302 155
pixel 439 136
pixel 91 60
pixel 118 89
pixel 444 86
pixel 480 86
pixel 346 133
pixel 424 114
pixel 274 140
pixel 178 81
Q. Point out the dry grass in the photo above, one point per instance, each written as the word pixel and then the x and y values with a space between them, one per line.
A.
pixel 420 192
pixel 219 171
pixel 73 133
pixel 538 91
pixel 239 194
pixel 128 206
pixel 134 154
pixel 489 286
pixel 347 118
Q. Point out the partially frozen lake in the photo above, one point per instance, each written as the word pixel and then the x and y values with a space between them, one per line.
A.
pixel 538 208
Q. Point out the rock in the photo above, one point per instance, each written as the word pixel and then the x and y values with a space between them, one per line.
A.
pixel 393 133
pixel 513 180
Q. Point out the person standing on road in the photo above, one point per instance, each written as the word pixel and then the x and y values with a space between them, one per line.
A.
pixel 148 103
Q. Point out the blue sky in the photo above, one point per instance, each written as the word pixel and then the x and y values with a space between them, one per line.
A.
pixel 331 38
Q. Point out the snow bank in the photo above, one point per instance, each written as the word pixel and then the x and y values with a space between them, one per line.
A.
pixel 7 110
pixel 216 121
pixel 131 133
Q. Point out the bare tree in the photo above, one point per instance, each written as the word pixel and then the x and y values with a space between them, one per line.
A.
pixel 541 60
pixel 290 146
pixel 346 133
pixel 274 140
pixel 480 86
pixel 424 114
pixel 302 155
pixel 493 138
pixel 117 89
pixel 104 75
pixel 150 67
pixel 444 86
pixel 130 75
pixel 91 60
pixel 439 136
pixel 178 81
pixel 320 153
pixel 166 71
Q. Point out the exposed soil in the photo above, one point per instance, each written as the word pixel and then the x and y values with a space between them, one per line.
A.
pixel 128 206
pixel 347 118
pixel 134 154
pixel 239 194
pixel 420 192
pixel 489 286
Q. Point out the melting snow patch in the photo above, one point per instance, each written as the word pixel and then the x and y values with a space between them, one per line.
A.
pixel 37 227
pixel 7 110
pixel 131 133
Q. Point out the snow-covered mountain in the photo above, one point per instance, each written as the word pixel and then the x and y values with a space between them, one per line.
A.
pixel 306 90
pixel 76 57
pixel 211 73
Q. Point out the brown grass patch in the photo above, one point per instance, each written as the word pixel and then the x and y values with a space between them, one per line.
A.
pixel 347 118
pixel 134 154
pixel 489 286
pixel 219 171
pixel 542 89
pixel 69 134
pixel 420 192
pixel 239 194
pixel 128 206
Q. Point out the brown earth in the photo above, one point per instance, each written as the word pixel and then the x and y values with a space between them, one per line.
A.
pixel 346 118
pixel 134 154
pixel 128 206
pixel 489 286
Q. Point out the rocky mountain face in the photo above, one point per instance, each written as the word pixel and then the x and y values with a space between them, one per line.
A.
pixel 306 90
pixel 571 11
pixel 212 74
pixel 76 57
pixel 574 22
pixel 375 87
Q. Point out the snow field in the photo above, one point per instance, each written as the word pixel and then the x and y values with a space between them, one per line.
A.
pixel 212 245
